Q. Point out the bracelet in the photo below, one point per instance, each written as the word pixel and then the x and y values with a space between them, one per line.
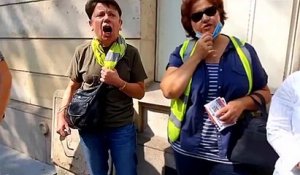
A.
pixel 123 87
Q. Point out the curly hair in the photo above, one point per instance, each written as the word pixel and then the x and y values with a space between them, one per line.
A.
pixel 186 7
pixel 91 4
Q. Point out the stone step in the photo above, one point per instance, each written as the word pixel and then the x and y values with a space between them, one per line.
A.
pixel 155 156
pixel 13 162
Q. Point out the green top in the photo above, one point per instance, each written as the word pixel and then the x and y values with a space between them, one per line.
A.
pixel 85 69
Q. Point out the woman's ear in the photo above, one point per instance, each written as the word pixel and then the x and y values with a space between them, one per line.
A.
pixel 90 23
pixel 121 22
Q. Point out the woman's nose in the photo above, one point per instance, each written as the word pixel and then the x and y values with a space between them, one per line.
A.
pixel 106 16
pixel 205 17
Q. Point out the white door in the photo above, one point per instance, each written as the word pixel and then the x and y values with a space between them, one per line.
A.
pixel 169 33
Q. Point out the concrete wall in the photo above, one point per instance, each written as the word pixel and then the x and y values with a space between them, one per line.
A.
pixel 38 39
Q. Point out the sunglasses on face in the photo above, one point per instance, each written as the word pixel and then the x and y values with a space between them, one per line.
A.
pixel 210 11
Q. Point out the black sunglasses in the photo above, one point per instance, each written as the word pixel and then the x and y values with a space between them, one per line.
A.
pixel 210 11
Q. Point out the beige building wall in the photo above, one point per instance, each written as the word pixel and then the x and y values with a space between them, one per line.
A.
pixel 38 39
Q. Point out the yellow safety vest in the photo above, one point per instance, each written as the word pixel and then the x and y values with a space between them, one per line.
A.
pixel 179 105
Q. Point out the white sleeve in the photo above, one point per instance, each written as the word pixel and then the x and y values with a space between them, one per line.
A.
pixel 279 127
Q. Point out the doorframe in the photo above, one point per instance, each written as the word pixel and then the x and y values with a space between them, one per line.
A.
pixel 293 53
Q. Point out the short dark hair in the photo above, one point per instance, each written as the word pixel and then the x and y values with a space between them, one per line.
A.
pixel 91 4
pixel 186 7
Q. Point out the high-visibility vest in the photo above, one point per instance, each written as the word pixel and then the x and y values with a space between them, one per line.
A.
pixel 179 105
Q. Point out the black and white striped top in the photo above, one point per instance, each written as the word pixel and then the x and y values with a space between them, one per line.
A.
pixel 208 147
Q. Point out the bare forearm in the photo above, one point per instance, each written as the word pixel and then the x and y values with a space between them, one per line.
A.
pixel 5 86
pixel 176 80
pixel 265 92
pixel 249 104
pixel 62 126
pixel 68 94
pixel 134 90
pixel 174 84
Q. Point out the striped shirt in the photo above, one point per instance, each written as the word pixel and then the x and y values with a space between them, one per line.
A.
pixel 208 147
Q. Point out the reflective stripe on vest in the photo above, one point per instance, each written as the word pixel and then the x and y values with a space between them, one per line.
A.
pixel 178 106
pixel 246 60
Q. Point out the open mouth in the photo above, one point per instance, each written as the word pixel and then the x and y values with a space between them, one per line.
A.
pixel 107 29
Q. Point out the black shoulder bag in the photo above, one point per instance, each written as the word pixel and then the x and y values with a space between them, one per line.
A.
pixel 86 108
pixel 251 146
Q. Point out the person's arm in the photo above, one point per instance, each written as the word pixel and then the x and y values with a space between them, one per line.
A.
pixel 134 90
pixel 279 126
pixel 133 87
pixel 247 102
pixel 5 86
pixel 176 79
pixel 62 125
pixel 260 80
pixel 233 110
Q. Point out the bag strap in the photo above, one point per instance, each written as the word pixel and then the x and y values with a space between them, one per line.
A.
pixel 261 105
pixel 261 98
pixel 97 86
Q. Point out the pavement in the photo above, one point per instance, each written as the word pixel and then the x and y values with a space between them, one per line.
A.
pixel 13 162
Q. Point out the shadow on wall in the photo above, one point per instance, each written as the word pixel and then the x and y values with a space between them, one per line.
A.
pixel 37 42
pixel 170 168
pixel 145 166
pixel 155 156
pixel 39 48
pixel 25 128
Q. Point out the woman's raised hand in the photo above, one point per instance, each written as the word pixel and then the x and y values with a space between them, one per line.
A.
pixel 204 46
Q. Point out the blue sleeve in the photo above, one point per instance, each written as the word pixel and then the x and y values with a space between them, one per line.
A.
pixel 260 77
pixel 175 59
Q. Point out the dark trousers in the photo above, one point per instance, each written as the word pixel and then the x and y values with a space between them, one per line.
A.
pixel 186 165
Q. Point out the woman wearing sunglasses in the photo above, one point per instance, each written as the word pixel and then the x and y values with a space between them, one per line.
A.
pixel 212 69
